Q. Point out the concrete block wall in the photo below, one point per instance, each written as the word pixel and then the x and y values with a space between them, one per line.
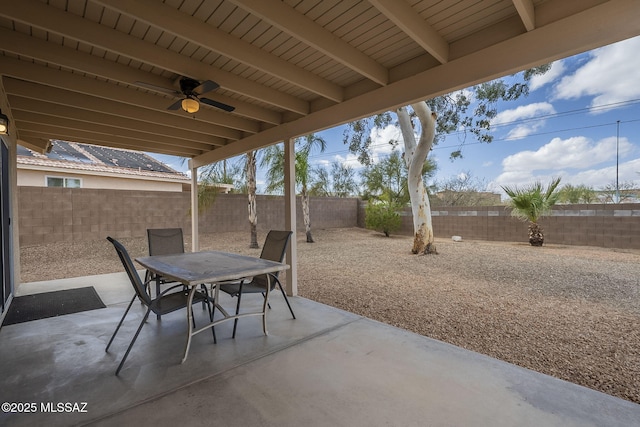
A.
pixel 614 226
pixel 48 215
pixel 230 212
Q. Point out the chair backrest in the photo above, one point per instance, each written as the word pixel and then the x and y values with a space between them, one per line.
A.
pixel 136 282
pixel 274 248
pixel 165 241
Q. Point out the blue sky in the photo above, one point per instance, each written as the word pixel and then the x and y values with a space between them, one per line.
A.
pixel 567 127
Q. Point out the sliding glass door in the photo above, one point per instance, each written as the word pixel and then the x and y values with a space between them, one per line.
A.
pixel 6 273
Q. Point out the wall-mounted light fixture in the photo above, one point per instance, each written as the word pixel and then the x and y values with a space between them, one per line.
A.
pixel 4 124
pixel 190 105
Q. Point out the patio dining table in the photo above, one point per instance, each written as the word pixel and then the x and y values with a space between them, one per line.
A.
pixel 212 267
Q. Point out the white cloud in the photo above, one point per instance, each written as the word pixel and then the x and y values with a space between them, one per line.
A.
pixel 525 113
pixel 610 75
pixel 575 160
pixel 556 70
pixel 573 153
pixel 351 160
pixel 522 131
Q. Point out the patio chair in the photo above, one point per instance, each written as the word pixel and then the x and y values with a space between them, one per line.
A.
pixel 274 248
pixel 164 303
pixel 163 241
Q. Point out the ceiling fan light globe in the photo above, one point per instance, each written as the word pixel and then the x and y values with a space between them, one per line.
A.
pixel 4 124
pixel 190 105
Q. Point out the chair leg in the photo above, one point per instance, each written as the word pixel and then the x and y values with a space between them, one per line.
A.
pixel 135 337
pixel 235 321
pixel 158 293
pixel 285 298
pixel 147 280
pixel 120 324
pixel 204 288
pixel 211 313
pixel 211 304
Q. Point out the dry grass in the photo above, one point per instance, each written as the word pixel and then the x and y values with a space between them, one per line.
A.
pixel 570 312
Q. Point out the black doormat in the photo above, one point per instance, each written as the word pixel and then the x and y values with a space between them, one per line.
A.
pixel 51 304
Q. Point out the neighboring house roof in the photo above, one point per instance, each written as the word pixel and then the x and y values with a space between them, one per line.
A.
pixel 85 158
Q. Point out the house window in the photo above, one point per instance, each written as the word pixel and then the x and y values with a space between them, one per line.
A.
pixel 53 181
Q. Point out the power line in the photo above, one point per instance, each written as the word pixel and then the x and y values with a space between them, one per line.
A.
pixel 438 147
pixel 512 123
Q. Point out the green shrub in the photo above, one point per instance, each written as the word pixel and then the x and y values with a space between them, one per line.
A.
pixel 382 216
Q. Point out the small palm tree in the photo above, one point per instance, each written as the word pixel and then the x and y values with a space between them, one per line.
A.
pixel 532 203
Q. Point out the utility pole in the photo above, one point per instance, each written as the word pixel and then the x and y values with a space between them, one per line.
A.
pixel 617 162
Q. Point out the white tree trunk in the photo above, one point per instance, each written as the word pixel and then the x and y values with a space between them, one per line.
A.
pixel 251 189
pixel 415 155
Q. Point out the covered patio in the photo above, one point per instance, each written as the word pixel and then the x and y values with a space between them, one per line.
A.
pixel 212 79
pixel 105 72
pixel 328 367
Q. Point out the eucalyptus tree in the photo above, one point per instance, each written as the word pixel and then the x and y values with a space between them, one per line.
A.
pixel 532 202
pixel 453 115
pixel 273 159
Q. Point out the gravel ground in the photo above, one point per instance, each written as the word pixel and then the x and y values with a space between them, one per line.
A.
pixel 566 311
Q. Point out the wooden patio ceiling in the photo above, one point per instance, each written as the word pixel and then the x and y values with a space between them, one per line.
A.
pixel 99 71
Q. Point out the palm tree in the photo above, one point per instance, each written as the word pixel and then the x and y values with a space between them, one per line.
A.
pixel 274 159
pixel 531 203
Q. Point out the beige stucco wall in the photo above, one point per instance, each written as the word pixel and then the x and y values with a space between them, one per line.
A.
pixel 37 178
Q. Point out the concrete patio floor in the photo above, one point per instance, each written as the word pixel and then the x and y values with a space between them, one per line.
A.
pixel 328 367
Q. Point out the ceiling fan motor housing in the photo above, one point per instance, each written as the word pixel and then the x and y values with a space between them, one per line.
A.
pixel 187 86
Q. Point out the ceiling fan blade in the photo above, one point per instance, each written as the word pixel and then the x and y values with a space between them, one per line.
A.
pixel 176 105
pixel 206 86
pixel 158 88
pixel 217 104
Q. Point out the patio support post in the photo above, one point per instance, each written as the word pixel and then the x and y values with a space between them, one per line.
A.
pixel 195 242
pixel 290 215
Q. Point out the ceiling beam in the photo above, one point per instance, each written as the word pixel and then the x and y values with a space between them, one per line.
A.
pixel 55 132
pixel 57 96
pixel 411 23
pixel 30 110
pixel 106 130
pixel 600 25
pixel 77 83
pixel 527 13
pixel 186 27
pixel 19 103
pixel 24 45
pixel 289 20
pixel 48 18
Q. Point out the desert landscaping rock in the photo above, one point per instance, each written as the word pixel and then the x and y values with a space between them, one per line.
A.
pixel 567 311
